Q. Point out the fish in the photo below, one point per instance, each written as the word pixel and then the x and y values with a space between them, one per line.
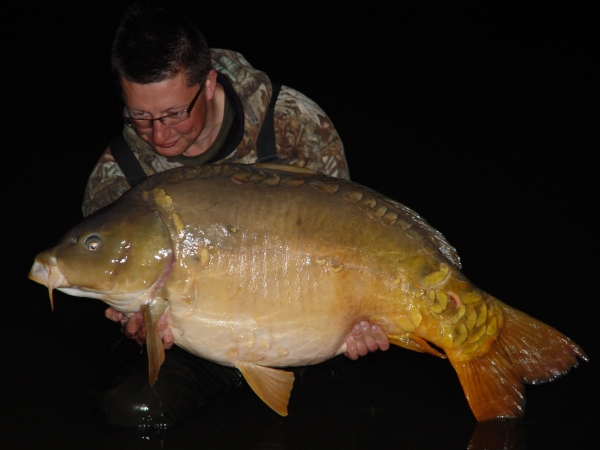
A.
pixel 266 267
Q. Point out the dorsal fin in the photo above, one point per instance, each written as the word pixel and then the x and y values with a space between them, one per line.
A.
pixel 284 168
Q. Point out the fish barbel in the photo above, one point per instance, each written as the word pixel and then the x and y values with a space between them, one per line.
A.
pixel 265 266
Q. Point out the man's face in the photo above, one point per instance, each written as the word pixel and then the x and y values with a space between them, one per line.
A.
pixel 154 100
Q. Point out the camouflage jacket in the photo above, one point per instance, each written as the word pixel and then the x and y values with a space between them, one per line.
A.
pixel 304 135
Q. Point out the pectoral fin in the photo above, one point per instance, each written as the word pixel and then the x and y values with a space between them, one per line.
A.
pixel 415 343
pixel 273 386
pixel 154 345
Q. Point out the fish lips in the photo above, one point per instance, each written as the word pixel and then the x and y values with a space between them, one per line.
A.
pixel 45 271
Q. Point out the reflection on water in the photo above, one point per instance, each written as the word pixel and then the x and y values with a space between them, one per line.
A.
pixel 266 431
pixel 334 406
pixel 498 434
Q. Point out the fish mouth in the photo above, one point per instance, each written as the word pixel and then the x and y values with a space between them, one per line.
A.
pixel 45 271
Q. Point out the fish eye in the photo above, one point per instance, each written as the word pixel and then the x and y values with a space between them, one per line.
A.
pixel 93 242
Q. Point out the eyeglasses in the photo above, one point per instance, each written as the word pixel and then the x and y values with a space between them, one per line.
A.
pixel 169 119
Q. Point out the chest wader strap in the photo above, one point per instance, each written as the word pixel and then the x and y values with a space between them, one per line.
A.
pixel 128 163
pixel 266 150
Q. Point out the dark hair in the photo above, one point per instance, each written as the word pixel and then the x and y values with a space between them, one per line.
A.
pixel 153 45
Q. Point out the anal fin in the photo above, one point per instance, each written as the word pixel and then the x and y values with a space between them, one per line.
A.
pixel 413 342
pixel 273 386
pixel 154 345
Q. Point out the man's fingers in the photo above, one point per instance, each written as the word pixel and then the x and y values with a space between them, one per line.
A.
pixel 361 346
pixel 355 343
pixel 383 342
pixel 132 326
pixel 113 314
pixel 164 332
pixel 365 338
pixel 167 339
pixel 351 351
pixel 367 334
pixel 162 323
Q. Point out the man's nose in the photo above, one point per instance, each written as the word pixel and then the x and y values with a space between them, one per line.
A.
pixel 160 132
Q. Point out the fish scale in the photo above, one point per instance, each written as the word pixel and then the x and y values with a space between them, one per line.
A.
pixel 263 266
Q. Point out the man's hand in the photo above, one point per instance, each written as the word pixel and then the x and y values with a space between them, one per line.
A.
pixel 133 327
pixel 365 338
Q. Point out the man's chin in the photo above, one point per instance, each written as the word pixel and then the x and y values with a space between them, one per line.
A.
pixel 169 152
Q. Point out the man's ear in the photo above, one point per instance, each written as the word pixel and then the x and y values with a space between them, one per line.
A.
pixel 210 85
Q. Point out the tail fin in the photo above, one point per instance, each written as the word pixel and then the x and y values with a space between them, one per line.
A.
pixel 526 351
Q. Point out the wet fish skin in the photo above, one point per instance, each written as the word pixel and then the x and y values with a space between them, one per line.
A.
pixel 270 266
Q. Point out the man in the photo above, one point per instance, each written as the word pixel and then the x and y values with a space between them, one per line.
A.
pixel 184 105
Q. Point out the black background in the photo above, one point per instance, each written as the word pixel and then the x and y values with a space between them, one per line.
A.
pixel 482 118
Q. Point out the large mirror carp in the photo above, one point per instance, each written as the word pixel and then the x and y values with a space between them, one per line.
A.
pixel 262 266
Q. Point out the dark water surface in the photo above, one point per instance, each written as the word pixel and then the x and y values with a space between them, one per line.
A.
pixel 481 119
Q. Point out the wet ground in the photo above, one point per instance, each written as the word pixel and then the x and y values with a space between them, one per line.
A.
pixel 479 119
